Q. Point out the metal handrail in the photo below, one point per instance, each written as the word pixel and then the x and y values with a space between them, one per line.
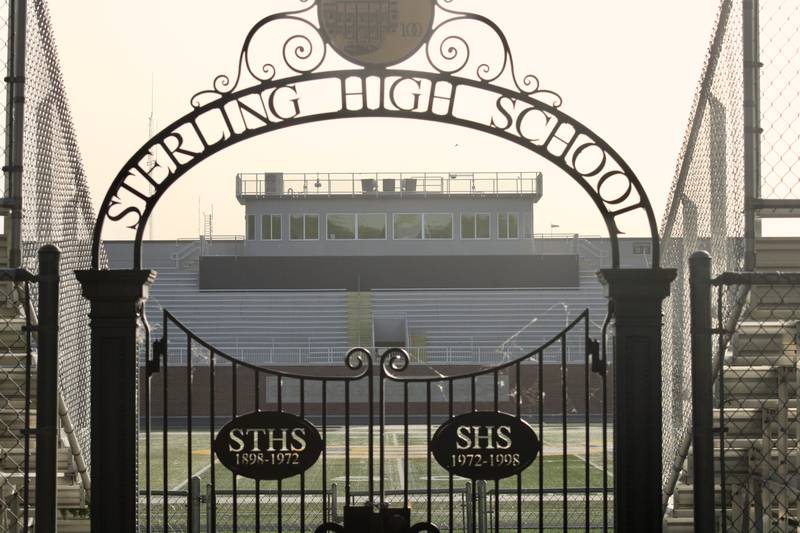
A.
pixel 66 424
pixel 388 183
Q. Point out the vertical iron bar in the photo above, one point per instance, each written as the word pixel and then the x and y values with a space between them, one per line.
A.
pixel 213 415
pixel 587 435
pixel 347 442
pixel 496 481
pixel 325 450
pixel 450 475
pixel 518 385
pixel 540 384
pixel 258 483
pixel 564 477
pixel 381 435
pixel 189 471
pixel 234 414
pixel 428 454
pixel 302 475
pixel 164 425
pixel 604 347
pixel 47 390
pixel 147 444
pixel 473 406
pixel 371 437
pixel 279 392
pixel 702 384
pixel 405 444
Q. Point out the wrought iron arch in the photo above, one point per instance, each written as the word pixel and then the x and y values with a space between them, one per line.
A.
pixel 429 79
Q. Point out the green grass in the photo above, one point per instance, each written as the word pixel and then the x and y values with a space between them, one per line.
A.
pixel 552 463
pixel 179 462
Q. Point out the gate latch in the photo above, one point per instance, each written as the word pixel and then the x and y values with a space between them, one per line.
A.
pixel 593 351
pixel 154 363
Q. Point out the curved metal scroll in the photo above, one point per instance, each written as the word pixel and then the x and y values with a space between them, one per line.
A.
pixel 287 57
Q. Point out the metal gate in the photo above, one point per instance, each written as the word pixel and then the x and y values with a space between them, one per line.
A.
pixel 376 413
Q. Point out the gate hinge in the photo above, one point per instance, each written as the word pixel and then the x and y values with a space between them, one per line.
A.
pixel 721 331
pixel 593 351
pixel 154 364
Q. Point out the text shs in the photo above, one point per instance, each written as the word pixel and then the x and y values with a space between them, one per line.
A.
pixel 485 445
pixel 268 445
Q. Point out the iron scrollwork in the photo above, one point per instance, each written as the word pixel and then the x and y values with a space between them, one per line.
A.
pixel 287 61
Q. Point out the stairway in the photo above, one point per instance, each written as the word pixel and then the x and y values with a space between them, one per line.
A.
pixel 761 385
pixel 359 318
pixel 71 498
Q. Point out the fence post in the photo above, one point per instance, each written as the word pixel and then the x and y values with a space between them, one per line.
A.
pixel 702 383
pixel 481 488
pixel 752 128
pixel 47 390
pixel 468 507
pixel 194 496
pixel 211 507
pixel 334 502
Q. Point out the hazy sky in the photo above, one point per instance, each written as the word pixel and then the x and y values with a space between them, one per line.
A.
pixel 626 68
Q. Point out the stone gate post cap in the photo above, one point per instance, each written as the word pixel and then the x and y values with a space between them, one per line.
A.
pixel 700 254
pixel 115 284
pixel 639 283
pixel 49 249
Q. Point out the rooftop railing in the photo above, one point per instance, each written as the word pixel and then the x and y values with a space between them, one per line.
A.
pixel 394 184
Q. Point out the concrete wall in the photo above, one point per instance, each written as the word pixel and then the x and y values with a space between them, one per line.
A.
pixel 388 272
pixel 267 399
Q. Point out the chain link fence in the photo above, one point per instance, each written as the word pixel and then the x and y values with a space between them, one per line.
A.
pixel 705 212
pixel 239 512
pixel 57 207
pixel 17 384
pixel 779 22
pixel 757 455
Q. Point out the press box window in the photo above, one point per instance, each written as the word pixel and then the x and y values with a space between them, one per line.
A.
pixel 341 227
pixel 508 226
pixel 475 226
pixel 270 227
pixel 641 249
pixel 438 226
pixel 251 227
pixel 408 226
pixel 304 227
pixel 372 226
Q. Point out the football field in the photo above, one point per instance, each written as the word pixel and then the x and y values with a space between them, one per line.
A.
pixel 200 462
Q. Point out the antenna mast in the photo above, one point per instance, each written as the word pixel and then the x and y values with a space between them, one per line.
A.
pixel 151 160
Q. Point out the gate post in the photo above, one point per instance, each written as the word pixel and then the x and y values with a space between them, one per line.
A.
pixel 115 297
pixel 47 390
pixel 637 295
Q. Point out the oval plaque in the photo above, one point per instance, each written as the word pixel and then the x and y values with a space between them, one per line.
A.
pixel 268 445
pixel 485 445
pixel 376 32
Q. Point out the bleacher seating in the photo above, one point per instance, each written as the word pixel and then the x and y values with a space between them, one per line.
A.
pixel 302 327
pixel 262 326
pixel 491 325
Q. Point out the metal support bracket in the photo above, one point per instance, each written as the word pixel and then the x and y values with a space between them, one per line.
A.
pixel 154 365
pixel 593 352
